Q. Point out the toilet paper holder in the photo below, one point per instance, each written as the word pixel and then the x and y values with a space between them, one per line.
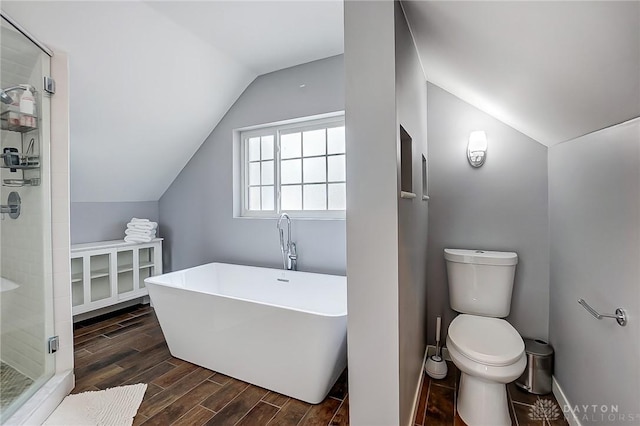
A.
pixel 620 315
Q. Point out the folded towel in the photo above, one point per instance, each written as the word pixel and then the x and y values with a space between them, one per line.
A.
pixel 142 232
pixel 137 239
pixel 131 231
pixel 142 225
pixel 135 219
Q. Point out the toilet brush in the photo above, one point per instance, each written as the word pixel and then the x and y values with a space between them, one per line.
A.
pixel 436 366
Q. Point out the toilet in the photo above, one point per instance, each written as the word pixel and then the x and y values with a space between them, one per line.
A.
pixel 487 350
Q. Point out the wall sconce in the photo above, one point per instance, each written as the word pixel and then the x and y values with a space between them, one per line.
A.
pixel 477 148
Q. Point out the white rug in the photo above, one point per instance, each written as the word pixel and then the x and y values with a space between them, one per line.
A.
pixel 113 407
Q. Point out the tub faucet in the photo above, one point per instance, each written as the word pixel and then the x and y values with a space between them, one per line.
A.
pixel 293 257
pixel 288 248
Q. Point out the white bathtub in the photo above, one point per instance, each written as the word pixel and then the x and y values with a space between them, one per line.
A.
pixel 282 330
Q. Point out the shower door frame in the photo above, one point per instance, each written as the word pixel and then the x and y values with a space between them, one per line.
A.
pixel 54 137
pixel 26 33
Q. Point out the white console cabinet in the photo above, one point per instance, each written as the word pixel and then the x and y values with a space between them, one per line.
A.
pixel 106 273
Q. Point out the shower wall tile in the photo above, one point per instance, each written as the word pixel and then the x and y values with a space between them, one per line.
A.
pixel 61 305
pixel 59 240
pixel 59 157
pixel 64 329
pixel 60 291
pixel 59 197
pixel 60 258
pixel 64 356
pixel 23 251
pixel 59 209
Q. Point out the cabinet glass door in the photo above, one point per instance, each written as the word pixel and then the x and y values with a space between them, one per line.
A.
pixel 147 265
pixel 100 278
pixel 77 287
pixel 125 271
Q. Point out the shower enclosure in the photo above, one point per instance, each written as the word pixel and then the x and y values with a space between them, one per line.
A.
pixel 26 300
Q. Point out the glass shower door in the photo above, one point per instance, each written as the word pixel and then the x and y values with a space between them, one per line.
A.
pixel 26 305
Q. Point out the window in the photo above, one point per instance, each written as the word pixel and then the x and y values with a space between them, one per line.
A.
pixel 298 168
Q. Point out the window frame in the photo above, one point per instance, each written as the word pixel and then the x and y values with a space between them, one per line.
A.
pixel 277 130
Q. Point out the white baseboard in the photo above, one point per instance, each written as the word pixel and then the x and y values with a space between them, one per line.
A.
pixel 431 350
pixel 112 308
pixel 564 403
pixel 417 394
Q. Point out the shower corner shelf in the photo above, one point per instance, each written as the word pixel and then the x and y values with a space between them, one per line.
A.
pixel 106 273
pixel 26 163
pixel 21 182
pixel 8 122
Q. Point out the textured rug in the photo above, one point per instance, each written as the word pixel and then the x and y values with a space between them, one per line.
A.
pixel 114 406
pixel 12 384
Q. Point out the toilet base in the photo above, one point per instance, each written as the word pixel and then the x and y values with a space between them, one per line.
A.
pixel 482 402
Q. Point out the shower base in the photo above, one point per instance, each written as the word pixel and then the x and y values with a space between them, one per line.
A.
pixel 12 383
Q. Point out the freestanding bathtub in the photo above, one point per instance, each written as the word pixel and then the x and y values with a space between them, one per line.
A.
pixel 285 331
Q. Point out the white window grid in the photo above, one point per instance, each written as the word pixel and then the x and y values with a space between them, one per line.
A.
pixel 260 162
pixel 276 132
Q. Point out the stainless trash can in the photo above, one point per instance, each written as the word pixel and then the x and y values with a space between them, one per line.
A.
pixel 537 376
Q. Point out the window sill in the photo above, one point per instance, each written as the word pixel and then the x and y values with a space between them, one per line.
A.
pixel 305 218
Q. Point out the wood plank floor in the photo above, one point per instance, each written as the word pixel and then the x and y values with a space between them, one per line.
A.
pixel 128 347
pixel 437 403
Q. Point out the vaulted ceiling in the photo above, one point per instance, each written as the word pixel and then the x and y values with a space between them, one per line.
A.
pixel 264 35
pixel 151 79
pixel 553 70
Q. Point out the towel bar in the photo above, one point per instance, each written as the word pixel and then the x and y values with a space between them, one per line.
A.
pixel 620 315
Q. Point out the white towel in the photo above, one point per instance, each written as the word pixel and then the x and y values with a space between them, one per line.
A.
pixel 142 232
pixel 142 225
pixel 138 239
pixel 135 219
pixel 145 232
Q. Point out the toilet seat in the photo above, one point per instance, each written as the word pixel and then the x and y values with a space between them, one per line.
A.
pixel 488 341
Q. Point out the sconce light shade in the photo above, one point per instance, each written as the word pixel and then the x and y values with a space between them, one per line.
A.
pixel 477 148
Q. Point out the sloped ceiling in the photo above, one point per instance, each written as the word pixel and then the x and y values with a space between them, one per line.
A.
pixel 552 70
pixel 149 82
pixel 264 35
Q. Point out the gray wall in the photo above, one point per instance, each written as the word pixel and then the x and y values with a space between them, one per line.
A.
pixel 411 107
pixel 107 221
pixel 594 191
pixel 196 210
pixel 386 235
pixel 372 213
pixel 500 206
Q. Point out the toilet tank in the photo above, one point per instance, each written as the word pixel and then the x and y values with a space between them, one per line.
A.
pixel 480 281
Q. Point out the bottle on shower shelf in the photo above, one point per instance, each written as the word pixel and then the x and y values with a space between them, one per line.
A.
pixel 27 101
pixel 27 107
pixel 13 117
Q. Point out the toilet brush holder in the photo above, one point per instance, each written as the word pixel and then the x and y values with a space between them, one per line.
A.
pixel 436 367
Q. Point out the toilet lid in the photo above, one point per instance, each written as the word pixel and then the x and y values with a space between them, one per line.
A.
pixel 490 341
